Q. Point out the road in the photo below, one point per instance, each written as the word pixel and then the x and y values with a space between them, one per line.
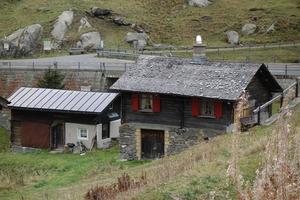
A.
pixel 86 61
pixel 91 62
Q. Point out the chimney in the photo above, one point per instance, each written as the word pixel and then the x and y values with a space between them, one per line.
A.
pixel 199 51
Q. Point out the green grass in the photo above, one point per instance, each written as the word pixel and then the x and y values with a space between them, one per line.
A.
pixel 33 173
pixel 4 140
pixel 272 55
pixel 61 176
pixel 169 21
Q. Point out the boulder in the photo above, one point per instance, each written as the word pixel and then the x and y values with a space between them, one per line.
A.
pixel 99 12
pixel 132 36
pixel 62 25
pixel 90 41
pixel 271 28
pixel 22 42
pixel 84 24
pixel 198 3
pixel 249 29
pixel 121 21
pixel 139 40
pixel 232 37
pixel 137 28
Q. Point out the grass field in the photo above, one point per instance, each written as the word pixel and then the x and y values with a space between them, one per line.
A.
pixel 169 21
pixel 273 55
pixel 198 173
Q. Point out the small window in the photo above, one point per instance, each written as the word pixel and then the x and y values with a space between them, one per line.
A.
pixel 146 102
pixel 105 131
pixel 83 134
pixel 207 109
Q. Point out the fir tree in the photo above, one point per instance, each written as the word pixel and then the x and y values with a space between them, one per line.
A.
pixel 52 79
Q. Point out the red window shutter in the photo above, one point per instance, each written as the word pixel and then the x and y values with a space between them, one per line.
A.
pixel 195 107
pixel 218 109
pixel 156 103
pixel 134 102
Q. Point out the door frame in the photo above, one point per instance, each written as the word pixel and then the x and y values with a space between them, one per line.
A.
pixel 53 124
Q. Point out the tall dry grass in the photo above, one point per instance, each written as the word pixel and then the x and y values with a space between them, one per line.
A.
pixel 279 175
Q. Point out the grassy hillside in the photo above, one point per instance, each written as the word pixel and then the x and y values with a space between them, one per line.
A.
pixel 168 21
pixel 198 173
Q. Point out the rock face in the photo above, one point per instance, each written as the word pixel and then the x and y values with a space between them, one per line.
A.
pixel 62 25
pixel 22 42
pixel 249 29
pixel 139 40
pixel 232 37
pixel 90 41
pixel 99 12
pixel 198 3
pixel 84 24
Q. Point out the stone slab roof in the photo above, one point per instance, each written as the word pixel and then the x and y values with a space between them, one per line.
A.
pixel 177 76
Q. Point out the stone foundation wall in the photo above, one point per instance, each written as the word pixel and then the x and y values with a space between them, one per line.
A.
pixel 176 139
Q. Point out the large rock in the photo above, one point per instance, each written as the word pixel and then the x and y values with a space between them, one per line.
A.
pixel 62 25
pixel 121 21
pixel 233 37
pixel 84 24
pixel 198 3
pixel 99 12
pixel 22 42
pixel 139 40
pixel 131 36
pixel 249 29
pixel 90 41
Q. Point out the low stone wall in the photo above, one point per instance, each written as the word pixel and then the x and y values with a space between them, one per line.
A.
pixel 176 139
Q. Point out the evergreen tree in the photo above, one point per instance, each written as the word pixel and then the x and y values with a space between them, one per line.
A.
pixel 52 79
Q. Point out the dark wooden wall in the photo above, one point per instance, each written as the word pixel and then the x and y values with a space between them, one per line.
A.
pixel 259 91
pixel 171 113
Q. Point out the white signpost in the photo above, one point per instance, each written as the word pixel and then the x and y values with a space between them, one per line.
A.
pixel 47 45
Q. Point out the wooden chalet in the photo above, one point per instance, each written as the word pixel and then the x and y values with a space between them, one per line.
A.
pixel 50 118
pixel 169 104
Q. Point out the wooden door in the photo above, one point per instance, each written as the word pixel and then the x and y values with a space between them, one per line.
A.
pixel 153 142
pixel 57 136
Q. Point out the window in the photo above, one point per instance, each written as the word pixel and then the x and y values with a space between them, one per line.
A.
pixel 145 102
pixel 82 134
pixel 105 131
pixel 207 109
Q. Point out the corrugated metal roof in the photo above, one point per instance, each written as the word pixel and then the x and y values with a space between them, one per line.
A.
pixel 61 100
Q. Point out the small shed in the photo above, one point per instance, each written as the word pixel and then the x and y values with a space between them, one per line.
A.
pixel 50 118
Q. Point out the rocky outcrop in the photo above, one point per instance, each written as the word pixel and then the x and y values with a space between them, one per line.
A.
pixel 22 42
pixel 99 12
pixel 233 37
pixel 62 25
pixel 90 41
pixel 249 29
pixel 84 24
pixel 198 3
pixel 139 40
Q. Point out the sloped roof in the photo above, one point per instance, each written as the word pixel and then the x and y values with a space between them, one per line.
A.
pixel 60 100
pixel 218 80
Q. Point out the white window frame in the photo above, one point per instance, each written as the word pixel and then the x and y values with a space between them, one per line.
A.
pixel 143 97
pixel 79 134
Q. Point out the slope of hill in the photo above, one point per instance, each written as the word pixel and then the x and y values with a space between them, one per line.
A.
pixel 168 21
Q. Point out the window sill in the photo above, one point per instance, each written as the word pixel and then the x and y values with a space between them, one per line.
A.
pixel 85 139
pixel 146 111
pixel 206 116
